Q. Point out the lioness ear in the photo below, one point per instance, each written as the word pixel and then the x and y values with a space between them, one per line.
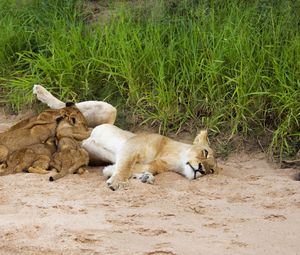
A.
pixel 69 104
pixel 202 138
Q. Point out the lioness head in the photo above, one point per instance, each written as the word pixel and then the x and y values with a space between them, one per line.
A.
pixel 200 158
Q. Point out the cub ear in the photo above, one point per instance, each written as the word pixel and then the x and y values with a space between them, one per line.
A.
pixel 59 119
pixel 202 138
pixel 73 121
pixel 69 104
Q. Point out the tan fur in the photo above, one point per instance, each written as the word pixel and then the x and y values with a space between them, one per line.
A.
pixel 34 159
pixel 13 140
pixel 70 158
pixel 71 113
pixel 34 132
pixel 155 154
pixel 44 117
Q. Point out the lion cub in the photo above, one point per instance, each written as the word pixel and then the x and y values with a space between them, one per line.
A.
pixel 71 113
pixel 30 145
pixel 34 159
pixel 38 129
pixel 14 140
pixel 70 158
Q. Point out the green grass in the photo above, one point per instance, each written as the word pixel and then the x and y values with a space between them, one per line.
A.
pixel 232 66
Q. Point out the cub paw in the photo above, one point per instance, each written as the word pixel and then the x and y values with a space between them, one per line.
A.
pixel 3 165
pixel 82 170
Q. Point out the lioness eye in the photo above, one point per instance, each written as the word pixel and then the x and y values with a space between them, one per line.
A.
pixel 205 153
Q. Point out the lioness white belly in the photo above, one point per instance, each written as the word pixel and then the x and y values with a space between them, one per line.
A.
pixel 105 142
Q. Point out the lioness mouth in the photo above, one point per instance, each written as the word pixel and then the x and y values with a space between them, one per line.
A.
pixel 200 170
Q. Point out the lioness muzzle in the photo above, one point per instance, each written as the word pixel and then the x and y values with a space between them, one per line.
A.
pixel 200 170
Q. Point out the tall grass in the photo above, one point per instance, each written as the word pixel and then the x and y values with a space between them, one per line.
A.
pixel 232 66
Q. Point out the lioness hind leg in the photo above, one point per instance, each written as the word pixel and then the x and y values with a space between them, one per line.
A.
pixel 46 97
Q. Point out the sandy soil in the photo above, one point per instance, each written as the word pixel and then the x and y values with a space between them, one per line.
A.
pixel 252 207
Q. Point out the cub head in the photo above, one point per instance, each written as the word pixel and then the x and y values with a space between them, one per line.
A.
pixel 71 123
pixel 200 158
pixel 72 113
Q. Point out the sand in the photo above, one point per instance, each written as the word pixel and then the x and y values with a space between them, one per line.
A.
pixel 252 207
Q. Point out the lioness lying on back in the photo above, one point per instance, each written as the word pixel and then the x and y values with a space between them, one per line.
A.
pixel 145 155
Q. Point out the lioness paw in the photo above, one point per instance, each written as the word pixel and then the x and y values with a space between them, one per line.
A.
pixel 108 171
pixel 145 177
pixel 118 185
pixel 114 183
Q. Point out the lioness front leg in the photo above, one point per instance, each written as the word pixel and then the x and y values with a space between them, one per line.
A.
pixel 145 172
pixel 120 177
pixel 145 177
pixel 123 170
pixel 140 172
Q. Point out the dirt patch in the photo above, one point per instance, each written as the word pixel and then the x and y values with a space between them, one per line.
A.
pixel 247 209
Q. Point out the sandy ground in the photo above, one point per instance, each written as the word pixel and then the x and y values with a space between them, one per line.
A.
pixel 252 207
